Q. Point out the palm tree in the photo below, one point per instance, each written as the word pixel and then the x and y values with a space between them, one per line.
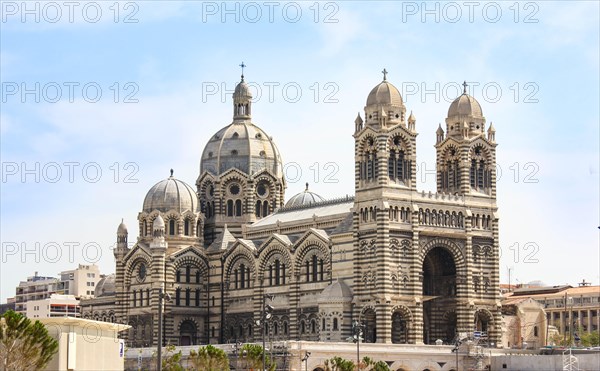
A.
pixel 24 345
pixel 209 358
pixel 253 354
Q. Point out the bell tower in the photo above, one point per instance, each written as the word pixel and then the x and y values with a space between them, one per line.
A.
pixel 385 180
pixel 466 157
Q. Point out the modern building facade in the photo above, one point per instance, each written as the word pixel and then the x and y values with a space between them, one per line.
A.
pixel 35 288
pixel 55 306
pixel 81 281
pixel 413 267
pixel 569 309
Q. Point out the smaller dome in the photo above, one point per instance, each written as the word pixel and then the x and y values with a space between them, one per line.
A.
pixel 465 105
pixel 171 194
pixel 384 94
pixel 304 198
pixel 336 292
pixel 159 223
pixel 106 286
pixel 122 228
pixel 242 90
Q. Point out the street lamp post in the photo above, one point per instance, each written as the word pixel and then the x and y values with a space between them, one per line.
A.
pixel 236 351
pixel 305 360
pixel 357 330
pixel 456 348
pixel 267 313
pixel 167 297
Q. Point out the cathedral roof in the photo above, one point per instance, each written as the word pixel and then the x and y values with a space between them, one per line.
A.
pixel 465 105
pixel 244 146
pixel 223 240
pixel 336 292
pixel 242 91
pixel 304 198
pixel 171 194
pixel 122 229
pixel 384 94
pixel 106 286
pixel 302 213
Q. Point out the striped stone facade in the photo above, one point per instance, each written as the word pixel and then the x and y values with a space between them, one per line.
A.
pixel 412 267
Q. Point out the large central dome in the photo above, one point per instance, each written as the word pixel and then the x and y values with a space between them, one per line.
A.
pixel 241 144
pixel 244 146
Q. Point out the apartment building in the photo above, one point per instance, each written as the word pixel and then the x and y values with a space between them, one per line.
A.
pixel 55 306
pixel 568 308
pixel 81 282
pixel 35 288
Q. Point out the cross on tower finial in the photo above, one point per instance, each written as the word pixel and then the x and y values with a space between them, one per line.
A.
pixel 243 65
pixel 465 87
pixel 385 72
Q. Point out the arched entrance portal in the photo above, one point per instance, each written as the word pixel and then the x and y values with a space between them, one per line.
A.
pixel 439 296
pixel 400 323
pixel 187 333
pixel 483 324
pixel 370 322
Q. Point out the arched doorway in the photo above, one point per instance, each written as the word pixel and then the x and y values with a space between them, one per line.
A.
pixel 449 325
pixel 187 333
pixel 370 322
pixel 482 320
pixel 439 295
pixel 400 321
pixel 483 324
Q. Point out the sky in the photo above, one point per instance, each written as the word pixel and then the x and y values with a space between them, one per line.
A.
pixel 100 99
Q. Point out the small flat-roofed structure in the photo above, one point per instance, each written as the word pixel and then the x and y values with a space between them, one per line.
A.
pixel 85 344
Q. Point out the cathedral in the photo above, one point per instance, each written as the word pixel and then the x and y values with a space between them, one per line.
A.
pixel 412 267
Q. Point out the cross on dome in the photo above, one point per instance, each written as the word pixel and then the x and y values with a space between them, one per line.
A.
pixel 385 72
pixel 243 65
pixel 464 84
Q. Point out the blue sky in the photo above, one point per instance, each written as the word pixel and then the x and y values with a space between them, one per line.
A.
pixel 533 66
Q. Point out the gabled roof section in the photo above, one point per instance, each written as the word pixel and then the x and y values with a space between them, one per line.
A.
pixel 345 225
pixel 264 172
pixel 282 239
pixel 230 172
pixel 339 206
pixel 223 241
pixel 367 129
pixel 319 233
pixel 185 250
pixel 139 246
pixel 241 244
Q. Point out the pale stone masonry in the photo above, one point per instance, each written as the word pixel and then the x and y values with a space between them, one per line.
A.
pixel 414 267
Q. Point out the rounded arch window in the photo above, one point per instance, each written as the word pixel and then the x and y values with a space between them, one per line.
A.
pixel 234 189
pixel 234 152
pixel 235 135
pixel 210 191
pixel 262 190
pixel 142 272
